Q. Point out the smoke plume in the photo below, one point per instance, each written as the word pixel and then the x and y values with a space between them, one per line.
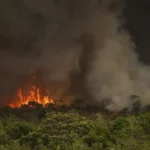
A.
pixel 80 47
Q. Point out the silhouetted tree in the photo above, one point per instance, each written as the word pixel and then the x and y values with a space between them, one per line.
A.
pixel 136 104
pixel 123 112
pixel 42 114
pixel 50 106
pixel 34 104
pixel 78 104
pixel 146 108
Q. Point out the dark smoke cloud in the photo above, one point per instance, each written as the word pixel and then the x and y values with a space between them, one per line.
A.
pixel 78 45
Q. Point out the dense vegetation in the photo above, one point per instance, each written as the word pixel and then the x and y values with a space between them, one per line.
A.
pixel 78 127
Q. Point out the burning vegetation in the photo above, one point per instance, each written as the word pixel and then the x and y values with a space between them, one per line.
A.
pixel 33 94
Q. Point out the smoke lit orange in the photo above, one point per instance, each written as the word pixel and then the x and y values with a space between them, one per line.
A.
pixel 34 95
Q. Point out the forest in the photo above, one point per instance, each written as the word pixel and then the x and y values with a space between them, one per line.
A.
pixel 76 127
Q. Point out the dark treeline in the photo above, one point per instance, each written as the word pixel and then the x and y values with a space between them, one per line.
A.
pixel 38 111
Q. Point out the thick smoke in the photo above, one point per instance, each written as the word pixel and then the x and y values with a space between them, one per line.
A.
pixel 78 45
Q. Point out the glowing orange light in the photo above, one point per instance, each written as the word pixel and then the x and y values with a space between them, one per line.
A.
pixel 33 77
pixel 11 105
pixel 34 95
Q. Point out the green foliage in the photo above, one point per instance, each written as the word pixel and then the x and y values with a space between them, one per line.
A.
pixel 14 146
pixel 130 132
pixel 65 124
pixel 16 130
pixel 59 128
pixel 100 136
pixel 74 131
pixel 4 138
pixel 144 122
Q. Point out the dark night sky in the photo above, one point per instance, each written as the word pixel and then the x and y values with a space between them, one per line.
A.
pixel 137 14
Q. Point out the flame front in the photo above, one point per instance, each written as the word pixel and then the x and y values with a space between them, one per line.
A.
pixel 34 96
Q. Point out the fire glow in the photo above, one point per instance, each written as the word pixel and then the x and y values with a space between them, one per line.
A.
pixel 34 96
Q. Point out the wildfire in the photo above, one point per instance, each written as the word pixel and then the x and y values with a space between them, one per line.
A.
pixel 33 95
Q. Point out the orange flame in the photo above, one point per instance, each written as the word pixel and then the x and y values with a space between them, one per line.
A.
pixel 34 96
